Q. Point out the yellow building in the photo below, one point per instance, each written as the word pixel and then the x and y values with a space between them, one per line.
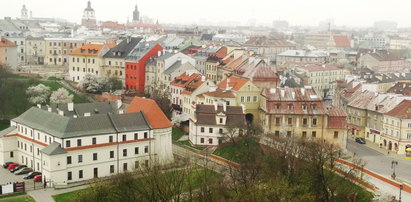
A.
pixel 58 49
pixel 35 50
pixel 88 60
pixel 246 93
pixel 301 113
pixel 396 135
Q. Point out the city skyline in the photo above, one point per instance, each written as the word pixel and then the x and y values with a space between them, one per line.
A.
pixel 261 12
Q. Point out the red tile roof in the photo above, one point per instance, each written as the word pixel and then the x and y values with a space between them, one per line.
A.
pixel 234 82
pixel 184 79
pixel 151 110
pixel 336 113
pixel 402 111
pixel 341 41
pixel 91 49
pixel 6 43
pixel 220 93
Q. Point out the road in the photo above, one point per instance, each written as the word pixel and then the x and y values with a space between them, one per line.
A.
pixel 381 163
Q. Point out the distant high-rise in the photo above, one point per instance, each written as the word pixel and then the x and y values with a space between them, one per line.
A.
pixel 24 13
pixel 89 18
pixel 136 15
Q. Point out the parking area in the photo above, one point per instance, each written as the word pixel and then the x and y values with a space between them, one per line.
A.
pixel 7 177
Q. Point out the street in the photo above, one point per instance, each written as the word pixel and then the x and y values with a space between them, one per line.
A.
pixel 380 162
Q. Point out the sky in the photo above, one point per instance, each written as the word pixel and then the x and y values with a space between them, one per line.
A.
pixel 358 13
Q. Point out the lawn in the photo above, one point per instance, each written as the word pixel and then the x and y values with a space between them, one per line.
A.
pixel 4 124
pixel 177 133
pixel 66 197
pixel 233 151
pixel 54 85
pixel 24 198
pixel 187 142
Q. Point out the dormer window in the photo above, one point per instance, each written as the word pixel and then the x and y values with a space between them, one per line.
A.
pixel 304 107
pixel 313 106
pixel 277 106
pixel 290 106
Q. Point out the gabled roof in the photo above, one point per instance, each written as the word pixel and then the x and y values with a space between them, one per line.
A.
pixel 53 149
pixel 402 111
pixel 220 93
pixel 123 48
pixel 234 82
pixel 184 79
pixel 151 110
pixel 91 49
pixel 206 115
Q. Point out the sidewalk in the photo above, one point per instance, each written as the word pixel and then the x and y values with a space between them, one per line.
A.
pixel 45 195
pixel 386 152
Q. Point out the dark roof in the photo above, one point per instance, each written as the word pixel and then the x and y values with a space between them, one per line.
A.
pixel 7 131
pixel 53 149
pixel 67 127
pixel 206 115
pixel 123 48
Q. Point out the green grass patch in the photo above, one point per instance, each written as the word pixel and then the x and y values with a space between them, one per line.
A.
pixel 54 85
pixel 234 151
pixel 187 142
pixel 52 78
pixel 12 195
pixel 18 197
pixel 68 196
pixel 4 124
pixel 177 133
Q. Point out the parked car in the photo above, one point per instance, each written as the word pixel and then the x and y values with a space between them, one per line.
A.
pixel 6 165
pixel 17 168
pixel 37 178
pixel 23 171
pixel 12 165
pixel 31 175
pixel 360 140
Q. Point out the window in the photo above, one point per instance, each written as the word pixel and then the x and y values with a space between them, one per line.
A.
pixel 242 98
pixel 11 154
pixel 288 134
pixel 111 168
pixel 69 177
pixel 124 138
pixel 125 166
pixel 335 134
pixel 221 120
pixel 202 140
pixel 80 174
pixel 304 135
pixel 94 156
pixel 135 136
pixel 202 129
pixel 146 149
pixel 409 125
pixel 248 99
pixel 136 164
pixel 78 142
pixel 111 154
pixel 68 143
pixel 210 141
pixel 124 152
pixel 277 120
pixel 220 131
pixel 314 134
pixel 80 158
pixel 305 121
pixel 277 133
pixel 314 121
pixel 409 136
pixel 145 135
pixel 94 140
pixel 210 130
pixel 290 121
pixel 68 160
pixel 110 138
pixel 255 99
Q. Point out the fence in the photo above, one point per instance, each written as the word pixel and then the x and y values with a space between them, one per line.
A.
pixel 13 187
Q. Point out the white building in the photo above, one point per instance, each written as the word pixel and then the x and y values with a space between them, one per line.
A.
pixel 73 143
pixel 214 124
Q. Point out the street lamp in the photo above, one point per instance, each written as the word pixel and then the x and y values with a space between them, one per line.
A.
pixel 393 164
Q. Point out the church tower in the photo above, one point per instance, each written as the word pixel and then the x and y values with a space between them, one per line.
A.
pixel 136 15
pixel 89 18
pixel 24 13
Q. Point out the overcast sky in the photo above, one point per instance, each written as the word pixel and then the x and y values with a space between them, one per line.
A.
pixel 296 12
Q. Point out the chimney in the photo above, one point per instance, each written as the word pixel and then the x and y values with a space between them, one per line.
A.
pixel 159 53
pixel 303 91
pixel 293 95
pixel 128 39
pixel 70 106
pixel 203 78
pixel 121 111
pixel 282 92
pixel 118 102
pixel 215 106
